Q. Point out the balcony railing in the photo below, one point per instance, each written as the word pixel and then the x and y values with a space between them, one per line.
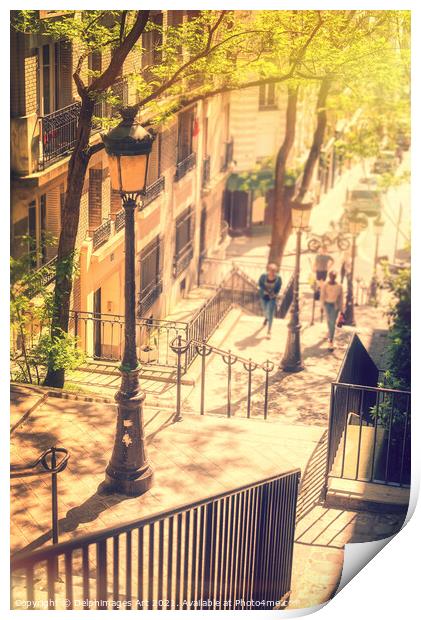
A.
pixel 58 133
pixel 153 191
pixel 184 166
pixel 120 220
pixel 206 171
pixel 182 259
pixel 228 155
pixel 101 234
pixel 149 295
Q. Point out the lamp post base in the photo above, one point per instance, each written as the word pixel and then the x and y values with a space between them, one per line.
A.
pixel 128 471
pixel 132 485
pixel 292 362
pixel 349 315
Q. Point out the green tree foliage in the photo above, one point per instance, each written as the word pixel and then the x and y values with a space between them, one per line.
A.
pixel 400 330
pixel 31 310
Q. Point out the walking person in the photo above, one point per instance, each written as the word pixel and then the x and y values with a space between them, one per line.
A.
pixel 269 287
pixel 331 296
pixel 322 263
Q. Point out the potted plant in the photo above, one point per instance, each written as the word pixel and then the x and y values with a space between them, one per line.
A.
pixel 149 350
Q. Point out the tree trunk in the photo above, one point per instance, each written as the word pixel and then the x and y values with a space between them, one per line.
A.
pixel 318 137
pixel 65 254
pixel 282 229
pixel 281 209
pixel 75 179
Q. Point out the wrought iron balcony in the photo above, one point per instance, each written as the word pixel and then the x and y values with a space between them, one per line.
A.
pixel 58 132
pixel 206 171
pixel 182 259
pixel 184 166
pixel 228 155
pixel 120 220
pixel 101 234
pixel 153 191
pixel 149 295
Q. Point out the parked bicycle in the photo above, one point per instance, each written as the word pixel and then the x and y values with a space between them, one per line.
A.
pixel 328 239
pixel 317 241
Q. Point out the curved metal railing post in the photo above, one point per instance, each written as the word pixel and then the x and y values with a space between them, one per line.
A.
pixel 179 349
pixel 230 360
pixel 204 350
pixel 268 366
pixel 250 366
pixel 53 468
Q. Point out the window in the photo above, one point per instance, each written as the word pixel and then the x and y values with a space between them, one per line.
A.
pixel 203 220
pixel 95 198
pixel 43 227
pixel 185 134
pixel 49 78
pixel 32 233
pixel 267 97
pixel 150 275
pixel 154 165
pixel 183 241
pixel 184 231
pixel 151 40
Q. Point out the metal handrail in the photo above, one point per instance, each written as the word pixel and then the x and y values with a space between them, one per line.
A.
pixel 53 469
pixel 20 559
pixel 17 471
pixel 202 348
pixel 370 388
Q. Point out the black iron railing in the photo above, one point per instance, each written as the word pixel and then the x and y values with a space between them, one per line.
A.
pixel 46 464
pixel 229 551
pixel 207 319
pixel 47 272
pixel 243 404
pixel 58 132
pixel 120 220
pixel 149 295
pixel 153 191
pixel 182 259
pixel 184 166
pixel 101 234
pixel 101 336
pixel 369 434
pixel 206 171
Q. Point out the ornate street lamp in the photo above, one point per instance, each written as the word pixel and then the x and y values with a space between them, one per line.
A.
pixel 356 223
pixel 292 361
pixel 378 225
pixel 128 147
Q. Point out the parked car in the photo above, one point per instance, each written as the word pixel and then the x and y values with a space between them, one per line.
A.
pixel 364 199
pixel 386 162
pixel 369 182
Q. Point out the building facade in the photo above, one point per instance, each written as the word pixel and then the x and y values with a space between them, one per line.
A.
pixel 181 216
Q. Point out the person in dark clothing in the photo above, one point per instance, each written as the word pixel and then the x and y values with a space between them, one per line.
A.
pixel 322 263
pixel 269 287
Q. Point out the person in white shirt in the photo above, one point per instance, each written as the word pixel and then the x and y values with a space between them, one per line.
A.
pixel 331 297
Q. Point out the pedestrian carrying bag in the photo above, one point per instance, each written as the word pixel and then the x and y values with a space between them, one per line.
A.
pixel 341 320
